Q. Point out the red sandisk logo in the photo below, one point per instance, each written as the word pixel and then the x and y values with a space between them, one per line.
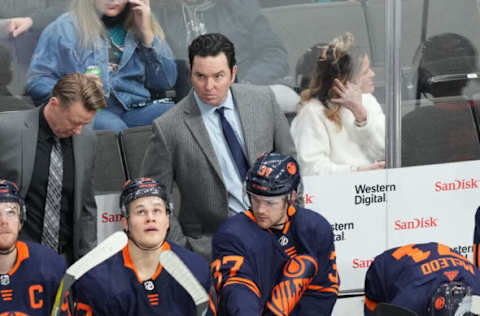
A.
pixel 111 218
pixel 416 223
pixel 456 185
pixel 361 263
pixel 308 198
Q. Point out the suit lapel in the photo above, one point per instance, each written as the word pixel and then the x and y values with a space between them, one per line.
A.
pixel 29 144
pixel 194 122
pixel 245 107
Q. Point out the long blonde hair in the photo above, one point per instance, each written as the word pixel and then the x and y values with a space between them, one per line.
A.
pixel 339 60
pixel 90 26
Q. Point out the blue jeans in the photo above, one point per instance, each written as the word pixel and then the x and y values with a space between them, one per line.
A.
pixel 114 117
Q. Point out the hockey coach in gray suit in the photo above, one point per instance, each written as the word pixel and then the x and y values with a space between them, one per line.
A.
pixel 208 141
pixel 51 157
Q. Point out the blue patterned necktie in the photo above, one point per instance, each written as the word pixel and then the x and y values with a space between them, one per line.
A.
pixel 51 220
pixel 233 144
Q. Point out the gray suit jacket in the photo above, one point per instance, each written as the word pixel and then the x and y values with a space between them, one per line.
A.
pixel 18 141
pixel 180 151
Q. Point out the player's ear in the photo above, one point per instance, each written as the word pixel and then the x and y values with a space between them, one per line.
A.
pixel 124 224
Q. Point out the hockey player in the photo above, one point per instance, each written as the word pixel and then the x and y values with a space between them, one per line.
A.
pixel 476 239
pixel 429 279
pixel 29 272
pixel 132 282
pixel 275 258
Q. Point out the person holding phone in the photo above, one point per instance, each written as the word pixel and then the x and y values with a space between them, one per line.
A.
pixel 126 42
pixel 340 126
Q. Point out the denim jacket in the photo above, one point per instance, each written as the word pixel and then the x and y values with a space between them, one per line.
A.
pixel 142 71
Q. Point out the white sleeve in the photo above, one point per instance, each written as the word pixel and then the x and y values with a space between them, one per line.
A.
pixel 371 137
pixel 312 140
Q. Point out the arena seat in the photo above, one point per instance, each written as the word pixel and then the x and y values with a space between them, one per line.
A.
pixel 432 134
pixel 10 103
pixel 109 170
pixel 134 142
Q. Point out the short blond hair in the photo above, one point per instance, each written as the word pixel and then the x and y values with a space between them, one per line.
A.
pixel 77 87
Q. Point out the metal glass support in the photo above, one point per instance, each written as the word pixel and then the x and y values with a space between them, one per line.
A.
pixel 393 148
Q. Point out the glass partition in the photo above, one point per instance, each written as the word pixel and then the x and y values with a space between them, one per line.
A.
pixel 440 85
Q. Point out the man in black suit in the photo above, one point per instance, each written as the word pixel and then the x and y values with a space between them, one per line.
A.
pixel 51 157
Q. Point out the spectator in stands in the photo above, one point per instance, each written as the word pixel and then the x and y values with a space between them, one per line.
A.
pixel 446 131
pixel 126 46
pixel 207 142
pixel 340 126
pixel 51 157
pixel 261 57
pixel 21 22
pixel 20 16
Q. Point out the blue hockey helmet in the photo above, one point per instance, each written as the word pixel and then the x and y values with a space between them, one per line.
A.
pixel 9 192
pixel 141 187
pixel 273 174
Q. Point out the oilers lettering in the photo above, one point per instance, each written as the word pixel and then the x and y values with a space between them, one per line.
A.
pixel 111 218
pixel 287 294
pixel 298 273
pixel 444 263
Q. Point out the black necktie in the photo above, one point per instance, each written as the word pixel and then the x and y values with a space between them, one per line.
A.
pixel 233 144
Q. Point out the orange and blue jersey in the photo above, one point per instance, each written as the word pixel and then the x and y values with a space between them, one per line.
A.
pixel 408 276
pixel 476 239
pixel 114 287
pixel 250 266
pixel 30 287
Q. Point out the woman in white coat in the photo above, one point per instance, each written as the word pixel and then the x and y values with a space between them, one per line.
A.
pixel 340 126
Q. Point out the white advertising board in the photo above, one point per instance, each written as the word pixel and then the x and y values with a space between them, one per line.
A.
pixel 373 211
pixel 108 215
